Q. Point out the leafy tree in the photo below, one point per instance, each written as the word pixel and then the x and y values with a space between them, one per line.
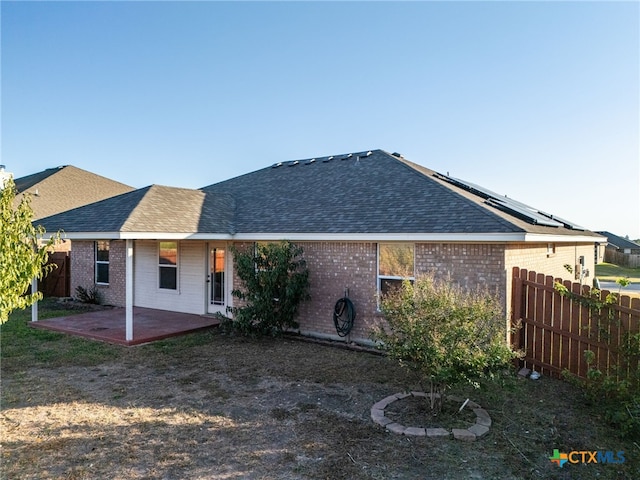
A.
pixel 22 256
pixel 275 280
pixel 444 333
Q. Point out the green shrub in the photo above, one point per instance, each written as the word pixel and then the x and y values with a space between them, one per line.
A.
pixel 88 295
pixel 446 334
pixel 275 280
pixel 616 391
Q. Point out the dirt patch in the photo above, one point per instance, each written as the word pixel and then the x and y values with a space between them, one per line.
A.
pixel 415 411
pixel 208 406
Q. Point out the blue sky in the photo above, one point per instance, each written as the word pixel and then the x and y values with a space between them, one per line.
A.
pixel 535 100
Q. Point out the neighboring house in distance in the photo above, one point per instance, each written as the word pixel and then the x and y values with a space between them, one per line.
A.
pixel 56 190
pixel 366 221
pixel 620 251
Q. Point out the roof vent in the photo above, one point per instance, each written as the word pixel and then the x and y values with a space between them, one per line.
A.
pixel 396 154
pixel 346 157
pixel 313 160
pixel 276 165
pixel 369 153
pixel 328 159
pixel 293 164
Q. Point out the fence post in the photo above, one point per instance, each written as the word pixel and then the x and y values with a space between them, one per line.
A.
pixel 516 310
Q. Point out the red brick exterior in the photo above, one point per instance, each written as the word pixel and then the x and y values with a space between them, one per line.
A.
pixel 82 265
pixel 334 266
pixel 83 270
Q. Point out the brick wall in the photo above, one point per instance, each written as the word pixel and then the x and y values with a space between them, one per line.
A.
pixel 335 266
pixel 114 293
pixel 536 257
pixel 83 270
pixel 82 265
pixel 467 264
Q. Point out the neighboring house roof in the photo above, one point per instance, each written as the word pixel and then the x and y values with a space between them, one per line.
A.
pixel 59 189
pixel 374 194
pixel 619 242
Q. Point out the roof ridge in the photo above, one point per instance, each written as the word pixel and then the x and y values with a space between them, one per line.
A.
pixel 303 161
pixel 431 175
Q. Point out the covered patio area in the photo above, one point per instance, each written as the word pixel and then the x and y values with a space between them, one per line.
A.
pixel 109 326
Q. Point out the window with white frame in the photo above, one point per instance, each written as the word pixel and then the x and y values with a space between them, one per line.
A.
pixel 551 249
pixel 168 265
pixel 395 264
pixel 102 262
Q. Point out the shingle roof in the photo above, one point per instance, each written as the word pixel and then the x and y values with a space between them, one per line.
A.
pixel 370 193
pixel 154 208
pixel 365 192
pixel 619 242
pixel 62 188
pixel 24 183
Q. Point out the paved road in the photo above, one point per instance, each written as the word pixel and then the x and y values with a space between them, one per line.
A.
pixel 613 287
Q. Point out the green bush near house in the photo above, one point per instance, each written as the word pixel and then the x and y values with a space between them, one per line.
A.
pixel 275 280
pixel 616 389
pixel 446 334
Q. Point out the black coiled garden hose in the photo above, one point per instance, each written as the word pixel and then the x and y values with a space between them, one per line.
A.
pixel 344 313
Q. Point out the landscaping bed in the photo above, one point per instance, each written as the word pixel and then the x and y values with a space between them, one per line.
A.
pixel 211 406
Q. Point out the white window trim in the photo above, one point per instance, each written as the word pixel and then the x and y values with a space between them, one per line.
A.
pixel 101 262
pixel 551 250
pixel 164 265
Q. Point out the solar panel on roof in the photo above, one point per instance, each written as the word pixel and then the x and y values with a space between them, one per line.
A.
pixel 524 213
pixel 509 205
pixel 566 223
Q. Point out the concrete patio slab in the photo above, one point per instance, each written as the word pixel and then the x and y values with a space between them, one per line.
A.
pixel 109 326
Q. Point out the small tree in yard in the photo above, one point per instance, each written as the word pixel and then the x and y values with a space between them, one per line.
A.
pixel 22 258
pixel 446 334
pixel 275 280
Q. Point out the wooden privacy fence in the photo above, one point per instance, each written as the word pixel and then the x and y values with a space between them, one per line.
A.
pixel 58 282
pixel 556 330
pixel 622 259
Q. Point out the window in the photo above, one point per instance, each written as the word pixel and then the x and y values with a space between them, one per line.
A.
pixel 102 262
pixel 551 249
pixel 395 264
pixel 168 265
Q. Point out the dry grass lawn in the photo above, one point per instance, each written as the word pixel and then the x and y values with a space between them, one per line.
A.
pixel 206 406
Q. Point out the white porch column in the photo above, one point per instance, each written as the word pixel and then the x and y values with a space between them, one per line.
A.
pixel 129 291
pixel 34 306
